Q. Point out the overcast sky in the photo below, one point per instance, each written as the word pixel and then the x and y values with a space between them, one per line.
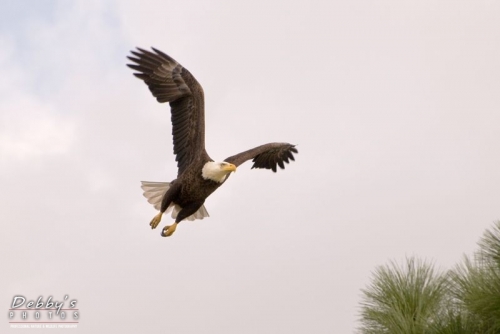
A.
pixel 394 107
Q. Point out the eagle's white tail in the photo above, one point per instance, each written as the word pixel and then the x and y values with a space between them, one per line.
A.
pixel 154 191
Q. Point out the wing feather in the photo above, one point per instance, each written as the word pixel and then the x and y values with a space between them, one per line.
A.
pixel 168 81
pixel 267 156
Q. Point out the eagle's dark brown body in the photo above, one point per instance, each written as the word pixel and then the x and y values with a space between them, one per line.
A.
pixel 189 192
pixel 170 82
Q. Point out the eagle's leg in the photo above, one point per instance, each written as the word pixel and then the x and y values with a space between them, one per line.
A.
pixel 165 203
pixel 185 212
pixel 169 230
pixel 156 220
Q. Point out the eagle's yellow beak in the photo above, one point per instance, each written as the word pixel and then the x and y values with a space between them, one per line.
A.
pixel 229 168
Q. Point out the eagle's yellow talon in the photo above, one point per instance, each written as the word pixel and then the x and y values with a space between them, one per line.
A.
pixel 168 230
pixel 156 220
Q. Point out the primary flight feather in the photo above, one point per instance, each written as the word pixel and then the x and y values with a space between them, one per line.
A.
pixel 198 175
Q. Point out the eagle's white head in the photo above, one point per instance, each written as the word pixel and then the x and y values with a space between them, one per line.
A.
pixel 217 171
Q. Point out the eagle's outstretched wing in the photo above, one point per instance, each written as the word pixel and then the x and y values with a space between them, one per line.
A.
pixel 266 156
pixel 170 82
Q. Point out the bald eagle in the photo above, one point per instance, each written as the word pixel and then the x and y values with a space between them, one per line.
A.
pixel 198 175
